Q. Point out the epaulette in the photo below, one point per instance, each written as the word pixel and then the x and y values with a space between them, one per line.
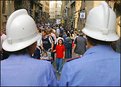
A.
pixel 70 59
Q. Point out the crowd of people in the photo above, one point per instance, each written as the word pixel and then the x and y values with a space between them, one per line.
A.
pixel 29 51
pixel 49 45
pixel 58 44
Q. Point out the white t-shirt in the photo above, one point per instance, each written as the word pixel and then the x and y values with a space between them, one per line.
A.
pixel 58 31
pixel 39 41
pixel 54 36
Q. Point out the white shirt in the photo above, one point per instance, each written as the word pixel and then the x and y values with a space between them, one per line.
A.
pixel 58 31
pixel 3 37
pixel 54 36
pixel 39 41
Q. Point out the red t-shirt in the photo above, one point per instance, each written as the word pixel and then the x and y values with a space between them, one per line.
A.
pixel 59 51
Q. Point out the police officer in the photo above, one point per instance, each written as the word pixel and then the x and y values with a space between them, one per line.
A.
pixel 20 69
pixel 100 65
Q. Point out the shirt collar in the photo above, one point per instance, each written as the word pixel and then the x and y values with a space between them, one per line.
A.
pixel 21 56
pixel 98 48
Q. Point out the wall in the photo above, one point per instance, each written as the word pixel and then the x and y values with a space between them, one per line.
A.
pixel 0 25
pixel 8 8
pixel 77 8
pixel 52 9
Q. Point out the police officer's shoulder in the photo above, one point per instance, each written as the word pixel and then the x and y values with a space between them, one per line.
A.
pixel 71 59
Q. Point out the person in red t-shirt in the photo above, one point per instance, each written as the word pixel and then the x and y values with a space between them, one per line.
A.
pixel 60 54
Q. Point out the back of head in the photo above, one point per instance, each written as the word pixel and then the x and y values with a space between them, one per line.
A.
pixel 21 31
pixel 101 24
pixel 68 34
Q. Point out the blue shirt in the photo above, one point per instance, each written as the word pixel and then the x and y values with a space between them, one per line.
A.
pixel 22 70
pixel 100 66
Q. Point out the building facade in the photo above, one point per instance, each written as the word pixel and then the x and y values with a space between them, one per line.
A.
pixel 68 14
pixel 0 25
pixel 58 9
pixel 45 6
pixel 7 7
pixel 52 11
pixel 55 9
pixel 84 6
pixel 39 10
pixel 45 11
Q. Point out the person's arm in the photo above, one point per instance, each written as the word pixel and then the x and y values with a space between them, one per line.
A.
pixel 54 50
pixel 52 46
pixel 64 53
pixel 75 41
pixel 39 43
pixel 51 41
pixel 41 46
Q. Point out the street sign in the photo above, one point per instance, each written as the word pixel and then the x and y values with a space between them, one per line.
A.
pixel 82 14
pixel 58 21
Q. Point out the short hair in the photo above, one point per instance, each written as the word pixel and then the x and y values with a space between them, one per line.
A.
pixel 45 31
pixel 68 34
pixel 95 42
pixel 23 51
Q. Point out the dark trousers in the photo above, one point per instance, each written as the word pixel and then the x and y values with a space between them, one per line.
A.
pixel 53 56
pixel 68 53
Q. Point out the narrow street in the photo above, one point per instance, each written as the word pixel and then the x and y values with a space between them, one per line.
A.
pixel 60 43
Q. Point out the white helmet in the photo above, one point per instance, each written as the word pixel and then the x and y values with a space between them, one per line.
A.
pixel 59 39
pixel 101 24
pixel 21 31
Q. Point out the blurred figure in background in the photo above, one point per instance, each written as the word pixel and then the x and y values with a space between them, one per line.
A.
pixel 47 41
pixel 79 45
pixel 4 54
pixel 38 50
pixel 53 36
pixel 68 46
pixel 58 31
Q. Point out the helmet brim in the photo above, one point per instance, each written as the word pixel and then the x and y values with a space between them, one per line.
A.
pixel 99 36
pixel 19 46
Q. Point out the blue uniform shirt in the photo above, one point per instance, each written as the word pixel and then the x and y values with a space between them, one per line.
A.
pixel 100 66
pixel 23 70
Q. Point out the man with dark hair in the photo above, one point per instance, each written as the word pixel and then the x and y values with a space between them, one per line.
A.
pixel 47 41
pixel 79 45
pixel 20 69
pixel 100 64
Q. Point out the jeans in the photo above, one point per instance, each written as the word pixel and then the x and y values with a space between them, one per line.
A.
pixel 59 62
pixel 68 53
